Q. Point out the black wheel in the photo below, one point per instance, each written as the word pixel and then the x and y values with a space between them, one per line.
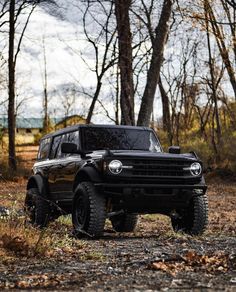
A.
pixel 124 222
pixel 89 211
pixel 37 208
pixel 194 219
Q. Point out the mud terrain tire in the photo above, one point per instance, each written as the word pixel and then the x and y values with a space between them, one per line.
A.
pixel 194 219
pixel 37 208
pixel 89 211
pixel 124 223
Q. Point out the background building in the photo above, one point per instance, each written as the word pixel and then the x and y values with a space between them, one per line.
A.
pixel 29 130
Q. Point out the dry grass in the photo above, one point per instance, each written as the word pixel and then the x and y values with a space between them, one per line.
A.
pixel 20 239
pixel 26 156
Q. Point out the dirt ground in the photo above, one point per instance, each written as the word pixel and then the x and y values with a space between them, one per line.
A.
pixel 151 258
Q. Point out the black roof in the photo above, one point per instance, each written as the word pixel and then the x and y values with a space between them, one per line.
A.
pixel 76 127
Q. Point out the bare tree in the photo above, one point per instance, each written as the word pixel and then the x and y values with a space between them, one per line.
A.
pixel 125 61
pixel 4 9
pixel 158 43
pixel 232 3
pixel 14 12
pixel 107 60
pixel 213 85
pixel 231 17
pixel 221 17
pixel 46 121
pixel 11 87
pixel 16 9
pixel 68 102
pixel 220 40
pixel 100 33
pixel 166 116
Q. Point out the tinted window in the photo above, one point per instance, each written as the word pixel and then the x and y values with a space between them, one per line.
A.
pixel 44 149
pixel 72 137
pixel 120 139
pixel 55 146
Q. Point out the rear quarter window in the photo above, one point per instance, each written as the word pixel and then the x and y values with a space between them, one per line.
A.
pixel 71 137
pixel 44 149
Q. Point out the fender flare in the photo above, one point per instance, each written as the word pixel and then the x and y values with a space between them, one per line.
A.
pixel 87 173
pixel 38 181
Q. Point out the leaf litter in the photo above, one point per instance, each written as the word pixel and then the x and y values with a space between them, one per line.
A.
pixel 152 258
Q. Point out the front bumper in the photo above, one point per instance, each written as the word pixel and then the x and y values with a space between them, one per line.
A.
pixel 151 198
pixel 114 189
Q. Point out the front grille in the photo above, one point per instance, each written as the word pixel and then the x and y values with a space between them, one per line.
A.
pixel 158 171
pixel 166 168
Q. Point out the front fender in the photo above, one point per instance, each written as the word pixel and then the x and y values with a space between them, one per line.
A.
pixel 37 181
pixel 87 173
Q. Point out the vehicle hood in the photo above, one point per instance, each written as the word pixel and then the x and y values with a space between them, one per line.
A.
pixel 115 154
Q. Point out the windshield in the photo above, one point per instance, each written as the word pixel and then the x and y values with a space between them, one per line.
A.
pixel 120 139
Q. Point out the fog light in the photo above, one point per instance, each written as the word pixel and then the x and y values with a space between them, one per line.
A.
pixel 115 166
pixel 198 191
pixel 196 168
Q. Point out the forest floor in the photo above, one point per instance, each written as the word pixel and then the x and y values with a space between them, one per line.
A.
pixel 151 258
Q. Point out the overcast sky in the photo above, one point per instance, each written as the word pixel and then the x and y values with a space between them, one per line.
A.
pixel 63 36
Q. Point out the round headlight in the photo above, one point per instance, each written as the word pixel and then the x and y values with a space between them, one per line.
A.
pixel 196 168
pixel 115 166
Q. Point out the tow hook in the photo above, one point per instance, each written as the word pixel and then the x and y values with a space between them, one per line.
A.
pixel 174 215
pixel 116 213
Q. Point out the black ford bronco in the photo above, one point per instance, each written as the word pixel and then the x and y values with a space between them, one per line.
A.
pixel 117 172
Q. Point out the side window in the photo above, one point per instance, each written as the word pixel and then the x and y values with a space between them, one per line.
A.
pixel 44 149
pixel 72 137
pixel 58 153
pixel 154 144
pixel 55 146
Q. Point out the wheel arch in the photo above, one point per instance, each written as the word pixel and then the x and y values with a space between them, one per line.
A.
pixel 88 173
pixel 37 181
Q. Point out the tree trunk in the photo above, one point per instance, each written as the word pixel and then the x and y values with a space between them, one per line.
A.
pixel 45 91
pixel 45 107
pixel 11 89
pixel 214 91
pixel 161 33
pixel 117 97
pixel 165 112
pixel 95 97
pixel 125 61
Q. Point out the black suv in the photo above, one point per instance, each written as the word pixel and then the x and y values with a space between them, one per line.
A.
pixel 117 172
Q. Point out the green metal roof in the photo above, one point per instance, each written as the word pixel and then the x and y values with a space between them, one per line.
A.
pixel 26 123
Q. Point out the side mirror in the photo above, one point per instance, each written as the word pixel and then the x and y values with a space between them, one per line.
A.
pixel 69 148
pixel 174 149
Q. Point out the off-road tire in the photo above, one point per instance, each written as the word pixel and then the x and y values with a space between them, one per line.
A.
pixel 37 208
pixel 194 219
pixel 124 222
pixel 89 211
